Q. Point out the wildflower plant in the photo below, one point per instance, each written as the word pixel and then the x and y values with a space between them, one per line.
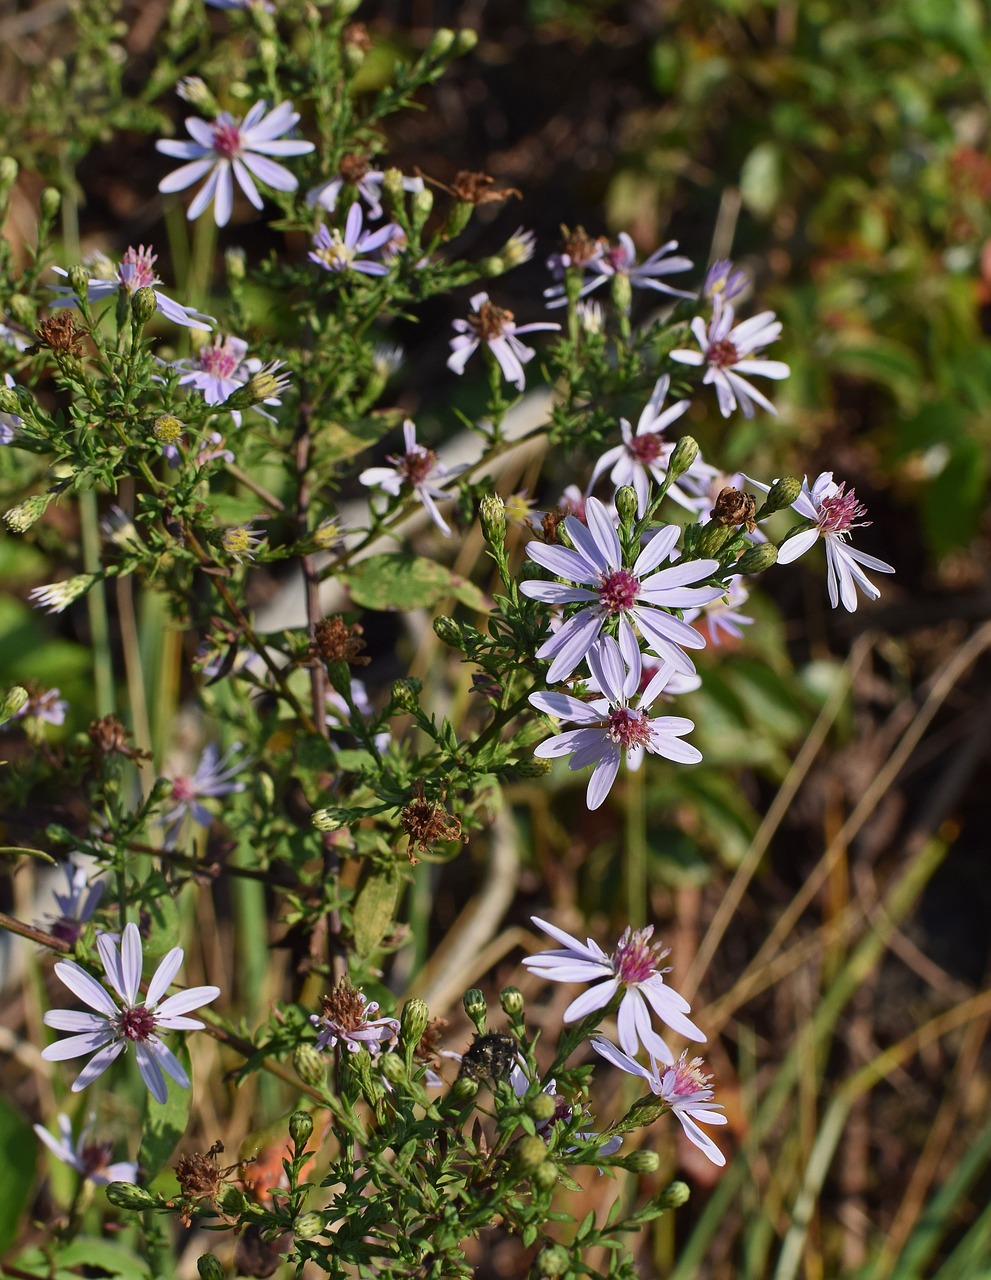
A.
pixel 223 475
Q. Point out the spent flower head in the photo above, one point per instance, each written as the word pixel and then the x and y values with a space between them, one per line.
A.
pixel 356 170
pixel 348 1017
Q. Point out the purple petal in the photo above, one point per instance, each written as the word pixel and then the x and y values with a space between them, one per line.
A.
pixel 590 1001
pixel 86 987
pixel 97 1065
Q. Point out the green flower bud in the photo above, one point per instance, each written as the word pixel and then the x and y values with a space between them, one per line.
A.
pixel 465 41
pixel 528 1154
pixel 626 504
pixel 406 693
pixel 682 456
pixel 209 1267
pixel 464 1088
pixel 441 44
pixel 541 1108
pixel 300 1126
pixel 9 402
pixel 545 1176
pixel 308 1226
pixel 552 1262
pixel 20 518
pixel 50 201
pixel 448 631
pixel 492 266
pixel 757 559
pixel 711 539
pixel 512 1001
pixel 782 494
pixel 193 89
pixel 21 309
pixel 492 513
pixel 8 176
pixel 14 700
pixel 422 206
pixel 392 186
pixel 122 1195
pixel 413 1021
pixel 393 1068
pixel 458 219
pixel 622 292
pixel 310 1065
pixel 642 1162
pixel 235 261
pixel 674 1195
pixel 476 1008
pixel 79 279
pixel 533 767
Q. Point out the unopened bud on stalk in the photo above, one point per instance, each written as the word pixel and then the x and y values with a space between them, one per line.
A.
pixel 20 518
pixel 782 494
pixel 626 504
pixel 14 700
pixel 757 559
pixel 545 1176
pixel 674 1195
pixel 541 1108
pixel 326 820
pixel 448 631
pixel 441 43
pixel 529 1153
pixel 300 1128
pixel 533 767
pixel 210 1268
pixel 8 176
pixel 406 693
pixel 393 1068
pixel 492 513
pixel 49 203
pixel 193 89
pixel 309 1064
pixel 79 279
pixel 122 1195
pixel 465 41
pixel 711 539
pixel 422 205
pixel 413 1021
pixel 683 455
pixel 9 402
pixel 21 309
pixel 642 1162
pixel 552 1262
pixel 622 292
pixel 308 1226
pixel 458 219
pixel 476 1008
pixel 511 1000
pixel 234 263
pixel 144 304
pixel 464 1088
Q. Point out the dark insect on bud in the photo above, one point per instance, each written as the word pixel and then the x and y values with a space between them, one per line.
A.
pixel 489 1057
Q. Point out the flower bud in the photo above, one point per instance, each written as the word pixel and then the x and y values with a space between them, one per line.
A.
pixel 300 1126
pixel 541 1108
pixel 422 206
pixel 626 504
pixel 210 1268
pixel 492 266
pixel 235 261
pixel 20 518
pixel 9 402
pixel 447 630
pixel 406 693
pixel 441 44
pixel 711 540
pixel 14 700
pixel 528 1154
pixel 492 513
pixel 683 455
pixel 464 1088
pixel 552 1262
pixel 757 559
pixel 393 1068
pixel 674 1195
pixel 49 204
pixel 413 1021
pixel 326 820
pixel 476 1008
pixel 79 279
pixel 533 767
pixel 642 1162
pixel 8 176
pixel 21 309
pixel 545 1176
pixel 309 1064
pixel 123 1195
pixel 458 219
pixel 622 292
pixel 464 41
pixel 782 494
pixel 512 1001
pixel 167 429
pixel 308 1226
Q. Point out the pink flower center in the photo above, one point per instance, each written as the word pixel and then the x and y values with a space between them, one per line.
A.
pixel 615 257
pixel 219 360
pixel 722 354
pixel 629 728
pixel 137 268
pixel 618 591
pixel 95 1156
pixel 646 449
pixel 839 513
pixel 491 322
pixel 183 790
pixel 686 1078
pixel 634 959
pixel 227 139
pixel 416 465
pixel 137 1023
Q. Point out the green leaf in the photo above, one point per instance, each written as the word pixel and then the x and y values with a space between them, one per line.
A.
pixel 953 500
pixel 397 580
pixel 17 1153
pixel 374 912
pixel 112 1258
pixel 12 851
pixel 337 442
pixel 165 1123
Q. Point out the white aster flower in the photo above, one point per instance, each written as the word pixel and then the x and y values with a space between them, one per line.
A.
pixel 730 351
pixel 633 969
pixel 616 723
pixel 833 513
pixel 635 595
pixel 214 776
pixel 230 148
pixel 91 1159
pixel 498 330
pixel 107 1032
pixel 418 467
pixel 136 270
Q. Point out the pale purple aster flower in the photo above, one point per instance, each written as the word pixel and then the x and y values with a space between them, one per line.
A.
pixel 633 969
pixel 231 148
pixel 617 722
pixel 636 595
pixel 9 422
pixel 109 1030
pixel 265 5
pixel 339 251
pixel 729 351
pixel 136 270
pixel 644 454
pixel 418 467
pixel 91 1159
pixel 683 1085
pixel 366 181
pixel 77 905
pixel 722 617
pixel 833 513
pixel 620 259
pixel 221 369
pixel 723 282
pixel 47 706
pixel 348 1017
pixel 498 330
pixel 214 777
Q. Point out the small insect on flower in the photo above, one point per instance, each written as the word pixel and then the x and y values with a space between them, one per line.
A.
pixel 490 1057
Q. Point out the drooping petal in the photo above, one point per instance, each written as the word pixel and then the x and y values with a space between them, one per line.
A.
pixel 97 1065
pixel 86 987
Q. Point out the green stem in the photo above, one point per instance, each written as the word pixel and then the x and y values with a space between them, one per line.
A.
pixel 96 606
pixel 635 833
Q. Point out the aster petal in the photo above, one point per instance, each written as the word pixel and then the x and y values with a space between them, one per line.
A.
pixel 186 175
pixel 608 668
pixel 151 1072
pixel 162 978
pixel 462 349
pixel 619 1059
pixel 601 528
pixel 76 1046
pixel 86 987
pixel 561 744
pixel 626 1022
pixel 595 998
pixel 200 131
pixel 671 1008
pixel 797 545
pixel 277 176
pixel 589 947
pixel 576 566
pixel 97 1065
pixel 205 195
pixel 869 562
pixel 184 1001
pixel 686 356
pixel 246 183
pixel 554 969
pixel 565 707
pixel 681 574
pixel 701 1140
pixel 74 1020
pixel 130 962
pixel 570 644
pixel 658 627
pixel 602 779
pixel 556 592
pixel 510 361
pixel 169 1062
